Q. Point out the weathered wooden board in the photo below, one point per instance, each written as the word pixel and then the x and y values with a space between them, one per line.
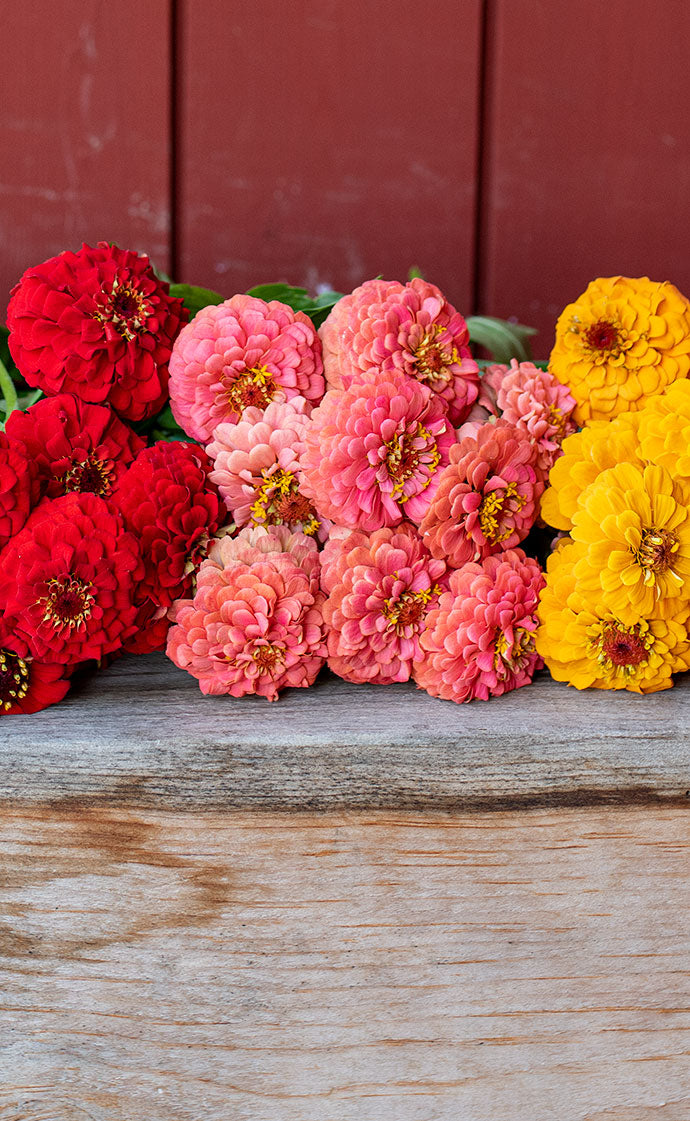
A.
pixel 141 734
pixel 352 967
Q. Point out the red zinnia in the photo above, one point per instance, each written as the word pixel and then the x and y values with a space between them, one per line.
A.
pixel 75 446
pixel 18 489
pixel 68 579
pixel 98 323
pixel 169 502
pixel 26 684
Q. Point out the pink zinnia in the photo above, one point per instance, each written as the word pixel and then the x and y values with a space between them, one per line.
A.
pixel 487 497
pixel 386 326
pixel 479 641
pixel 255 624
pixel 381 587
pixel 375 452
pixel 540 406
pixel 239 353
pixel 257 467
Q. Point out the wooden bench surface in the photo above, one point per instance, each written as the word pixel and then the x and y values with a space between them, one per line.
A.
pixel 356 904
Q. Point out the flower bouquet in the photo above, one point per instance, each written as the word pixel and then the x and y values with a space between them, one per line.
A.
pixel 269 483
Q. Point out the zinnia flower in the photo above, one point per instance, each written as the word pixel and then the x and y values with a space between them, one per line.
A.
pixel 375 452
pixel 621 342
pixel 487 496
pixel 664 430
pixel 168 500
pixel 596 448
pixel 73 445
pixel 255 624
pixel 411 328
pixel 540 406
pixel 239 353
pixel 381 589
pixel 18 487
pixel 68 579
pixel 257 467
pixel 584 641
pixel 26 683
pixel 635 523
pixel 479 641
pixel 98 323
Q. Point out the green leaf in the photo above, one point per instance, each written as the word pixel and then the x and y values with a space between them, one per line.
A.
pixel 502 339
pixel 8 390
pixel 316 307
pixel 195 298
pixel 414 273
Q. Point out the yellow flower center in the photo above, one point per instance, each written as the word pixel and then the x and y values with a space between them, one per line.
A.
pixel 409 608
pixel 655 552
pixel 14 679
pixel 604 340
pixel 68 602
pixel 252 387
pixel 404 455
pixel 267 657
pixel 618 649
pixel 493 508
pixel 278 502
pixel 433 357
pixel 523 646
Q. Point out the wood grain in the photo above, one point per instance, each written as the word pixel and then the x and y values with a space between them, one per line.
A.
pixel 141 734
pixel 350 967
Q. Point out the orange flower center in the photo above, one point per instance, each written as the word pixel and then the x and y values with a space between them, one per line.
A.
pixel 433 358
pixel 410 454
pixel 68 602
pixel 267 657
pixel 408 609
pixel 623 646
pixel 493 509
pixel 655 553
pixel 14 679
pixel 91 474
pixel 124 308
pixel 252 387
pixel 278 502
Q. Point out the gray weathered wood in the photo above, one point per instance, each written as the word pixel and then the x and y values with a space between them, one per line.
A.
pixel 141 734
pixel 344 967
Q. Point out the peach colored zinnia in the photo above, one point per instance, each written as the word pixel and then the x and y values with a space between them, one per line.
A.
pixel 487 496
pixel 381 588
pixel 479 641
pixel 257 467
pixel 375 452
pixel 384 325
pixel 239 353
pixel 538 405
pixel 255 624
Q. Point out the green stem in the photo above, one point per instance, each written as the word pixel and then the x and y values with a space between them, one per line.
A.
pixel 9 393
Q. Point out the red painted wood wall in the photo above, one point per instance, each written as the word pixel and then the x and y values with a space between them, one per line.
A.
pixel 510 149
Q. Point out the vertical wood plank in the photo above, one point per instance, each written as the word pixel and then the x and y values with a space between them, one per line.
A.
pixel 587 152
pixel 84 130
pixel 328 143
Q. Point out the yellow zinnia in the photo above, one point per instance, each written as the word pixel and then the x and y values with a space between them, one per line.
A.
pixel 602 444
pixel 621 342
pixel 635 524
pixel 584 641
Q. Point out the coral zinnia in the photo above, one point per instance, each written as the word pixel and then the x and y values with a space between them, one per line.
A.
pixel 26 683
pixel 255 624
pixel 381 588
pixel 635 522
pixel 239 353
pixel 386 326
pixel 68 579
pixel 168 500
pixel 257 467
pixel 540 406
pixel 98 323
pixel 479 641
pixel 74 446
pixel 18 487
pixel 602 444
pixel 584 641
pixel 620 342
pixel 487 496
pixel 375 452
